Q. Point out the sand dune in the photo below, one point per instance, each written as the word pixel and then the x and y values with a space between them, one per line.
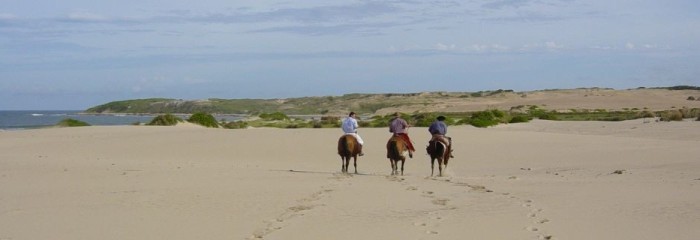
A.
pixel 563 100
pixel 539 180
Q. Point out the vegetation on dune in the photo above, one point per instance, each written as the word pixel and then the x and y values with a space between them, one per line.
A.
pixel 482 119
pixel 276 116
pixel 165 120
pixel 235 125
pixel 69 122
pixel 329 110
pixel 360 103
pixel 520 119
pixel 204 119
pixel 487 118
pixel 683 87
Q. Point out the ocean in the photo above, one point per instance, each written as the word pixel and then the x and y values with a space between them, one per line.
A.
pixel 28 119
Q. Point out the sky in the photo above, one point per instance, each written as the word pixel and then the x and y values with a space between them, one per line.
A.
pixel 76 54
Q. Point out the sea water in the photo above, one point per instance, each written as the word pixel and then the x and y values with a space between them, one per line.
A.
pixel 27 119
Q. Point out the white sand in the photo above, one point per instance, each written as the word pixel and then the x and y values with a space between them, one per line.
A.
pixel 519 181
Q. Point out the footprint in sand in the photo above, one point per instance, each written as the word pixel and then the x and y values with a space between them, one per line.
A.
pixel 300 208
pixel 440 201
pixel 481 189
pixel 545 237
pixel 292 212
pixel 395 178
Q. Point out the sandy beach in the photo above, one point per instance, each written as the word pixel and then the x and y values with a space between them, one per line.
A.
pixel 540 180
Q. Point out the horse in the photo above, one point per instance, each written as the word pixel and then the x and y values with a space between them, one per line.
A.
pixel 437 150
pixel 396 151
pixel 348 147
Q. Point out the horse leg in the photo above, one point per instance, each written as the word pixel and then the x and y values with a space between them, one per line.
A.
pixel 342 164
pixel 395 167
pixel 392 166
pixel 432 166
pixel 355 162
pixel 402 162
pixel 440 165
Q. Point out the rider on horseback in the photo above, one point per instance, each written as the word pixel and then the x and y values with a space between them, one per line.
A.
pixel 399 127
pixel 439 129
pixel 350 128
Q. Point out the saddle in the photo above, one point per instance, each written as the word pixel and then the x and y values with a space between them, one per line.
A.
pixel 441 139
pixel 358 147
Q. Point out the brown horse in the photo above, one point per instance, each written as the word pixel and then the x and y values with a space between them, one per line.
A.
pixel 348 147
pixel 437 150
pixel 396 150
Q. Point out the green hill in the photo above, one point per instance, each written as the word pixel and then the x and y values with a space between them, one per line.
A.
pixel 361 103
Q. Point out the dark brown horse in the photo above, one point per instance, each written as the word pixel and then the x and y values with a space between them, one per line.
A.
pixel 438 150
pixel 348 147
pixel 396 150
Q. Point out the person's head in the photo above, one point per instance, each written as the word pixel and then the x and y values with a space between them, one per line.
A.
pixel 352 114
pixel 441 118
pixel 397 114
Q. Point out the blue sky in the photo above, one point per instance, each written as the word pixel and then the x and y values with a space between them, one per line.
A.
pixel 75 54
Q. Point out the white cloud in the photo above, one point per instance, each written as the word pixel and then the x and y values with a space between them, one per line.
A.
pixel 630 45
pixel 599 47
pixel 548 46
pixel 444 47
pixel 553 46
pixel 489 48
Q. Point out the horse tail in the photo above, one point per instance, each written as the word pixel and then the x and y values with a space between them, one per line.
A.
pixel 343 149
pixel 436 149
pixel 440 148
pixel 393 149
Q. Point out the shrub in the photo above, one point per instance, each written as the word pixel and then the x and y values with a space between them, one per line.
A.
pixel 164 120
pixel 691 113
pixel 274 116
pixel 519 119
pixel 482 123
pixel 381 121
pixel 69 122
pixel 363 124
pixel 537 112
pixel 498 113
pixel 330 120
pixel 483 119
pixel 423 119
pixel 236 125
pixel 204 119
pixel 672 115
pixel 646 114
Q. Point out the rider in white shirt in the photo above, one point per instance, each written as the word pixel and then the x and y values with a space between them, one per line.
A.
pixel 350 127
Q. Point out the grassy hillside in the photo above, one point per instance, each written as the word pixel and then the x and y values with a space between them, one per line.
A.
pixel 560 100
pixel 361 103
